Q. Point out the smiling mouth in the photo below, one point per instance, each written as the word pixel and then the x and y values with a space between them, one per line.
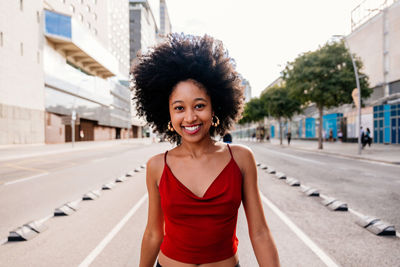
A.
pixel 192 129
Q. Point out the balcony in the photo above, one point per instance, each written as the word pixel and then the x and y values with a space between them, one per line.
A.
pixel 78 45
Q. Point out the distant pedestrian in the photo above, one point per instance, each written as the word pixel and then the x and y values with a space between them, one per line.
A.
pixel 367 138
pixel 330 135
pixel 289 137
pixel 340 136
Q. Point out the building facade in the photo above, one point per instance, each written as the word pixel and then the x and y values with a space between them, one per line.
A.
pixel 67 76
pixel 85 58
pixel 21 73
pixel 149 24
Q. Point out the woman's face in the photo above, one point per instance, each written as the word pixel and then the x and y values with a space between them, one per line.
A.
pixel 190 110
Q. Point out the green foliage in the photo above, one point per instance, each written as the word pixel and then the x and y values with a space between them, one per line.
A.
pixel 325 76
pixel 279 104
pixel 254 111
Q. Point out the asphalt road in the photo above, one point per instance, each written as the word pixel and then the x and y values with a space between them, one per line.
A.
pixel 107 231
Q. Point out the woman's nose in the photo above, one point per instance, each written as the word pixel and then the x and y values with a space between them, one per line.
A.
pixel 190 116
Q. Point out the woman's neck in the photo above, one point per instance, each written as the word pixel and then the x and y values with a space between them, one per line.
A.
pixel 196 150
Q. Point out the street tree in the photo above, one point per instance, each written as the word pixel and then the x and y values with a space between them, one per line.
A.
pixel 324 77
pixel 254 111
pixel 280 105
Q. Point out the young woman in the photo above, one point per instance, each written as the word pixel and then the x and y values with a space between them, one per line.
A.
pixel 187 88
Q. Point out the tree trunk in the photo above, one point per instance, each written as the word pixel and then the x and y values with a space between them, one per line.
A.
pixel 320 127
pixel 280 130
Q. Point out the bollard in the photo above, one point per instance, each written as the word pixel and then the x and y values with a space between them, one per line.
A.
pixel 280 175
pixel 376 226
pixel 36 226
pixel 292 181
pixel 91 195
pixel 22 233
pixel 108 186
pixel 120 179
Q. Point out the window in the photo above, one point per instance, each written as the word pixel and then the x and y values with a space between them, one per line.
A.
pixel 88 25
pixel 95 16
pixel 87 8
pixel 21 46
pixel 95 31
pixel 38 16
pixel 21 5
pixel 81 1
pixel 80 16
pixel 72 8
pixel 1 39
pixel 38 57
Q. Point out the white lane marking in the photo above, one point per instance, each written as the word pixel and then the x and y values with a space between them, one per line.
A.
pixel 95 252
pixel 100 159
pixel 26 178
pixel 296 157
pixel 300 234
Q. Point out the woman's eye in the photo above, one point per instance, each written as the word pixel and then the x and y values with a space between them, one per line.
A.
pixel 200 106
pixel 179 108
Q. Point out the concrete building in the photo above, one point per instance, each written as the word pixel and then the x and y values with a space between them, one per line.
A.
pixel 375 37
pixel 145 18
pixel 86 55
pixel 64 59
pixel 21 72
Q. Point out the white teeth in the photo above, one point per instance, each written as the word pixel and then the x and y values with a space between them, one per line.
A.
pixel 193 128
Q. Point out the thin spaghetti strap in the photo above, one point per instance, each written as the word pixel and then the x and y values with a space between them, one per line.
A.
pixel 230 151
pixel 165 157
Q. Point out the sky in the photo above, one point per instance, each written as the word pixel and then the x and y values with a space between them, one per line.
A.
pixel 263 35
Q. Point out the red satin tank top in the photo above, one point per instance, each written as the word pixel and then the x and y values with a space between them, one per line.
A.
pixel 201 230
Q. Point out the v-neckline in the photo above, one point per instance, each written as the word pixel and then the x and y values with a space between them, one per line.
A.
pixel 208 188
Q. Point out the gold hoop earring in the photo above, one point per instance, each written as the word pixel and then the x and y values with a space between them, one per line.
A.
pixel 170 127
pixel 215 121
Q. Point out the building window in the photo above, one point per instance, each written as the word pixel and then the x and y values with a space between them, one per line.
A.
pixel 21 48
pixel 38 16
pixel 95 16
pixel 88 25
pixel 72 8
pixel 38 57
pixel 87 8
pixel 95 31
pixel 82 2
pixel 80 16
pixel 21 5
pixel 1 39
pixel 95 2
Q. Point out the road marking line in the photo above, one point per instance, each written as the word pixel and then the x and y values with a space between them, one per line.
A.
pixel 300 234
pixel 95 252
pixel 26 178
pixel 23 168
pixel 100 159
pixel 296 157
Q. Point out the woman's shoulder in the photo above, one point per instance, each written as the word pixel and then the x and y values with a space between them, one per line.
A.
pixel 155 164
pixel 240 150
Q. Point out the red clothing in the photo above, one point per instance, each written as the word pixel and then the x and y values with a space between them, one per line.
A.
pixel 201 229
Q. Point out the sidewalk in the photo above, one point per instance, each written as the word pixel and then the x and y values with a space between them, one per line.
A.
pixel 377 152
pixel 10 152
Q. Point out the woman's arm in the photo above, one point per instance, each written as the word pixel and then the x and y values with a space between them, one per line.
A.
pixel 260 235
pixel 154 232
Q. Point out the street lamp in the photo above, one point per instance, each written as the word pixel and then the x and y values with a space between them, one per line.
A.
pixel 358 90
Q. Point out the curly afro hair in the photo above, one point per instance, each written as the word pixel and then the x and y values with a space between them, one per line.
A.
pixel 182 57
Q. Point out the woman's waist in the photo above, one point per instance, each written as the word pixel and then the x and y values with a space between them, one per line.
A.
pixel 165 261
